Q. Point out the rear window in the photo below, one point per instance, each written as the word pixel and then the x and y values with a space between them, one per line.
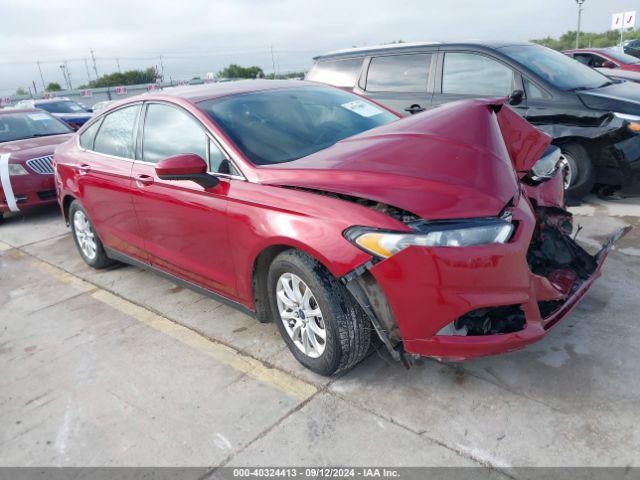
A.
pixel 399 73
pixel 340 73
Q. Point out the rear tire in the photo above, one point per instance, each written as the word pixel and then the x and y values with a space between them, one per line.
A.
pixel 86 239
pixel 577 167
pixel 347 330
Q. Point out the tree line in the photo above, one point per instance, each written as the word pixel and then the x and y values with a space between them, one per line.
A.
pixel 567 40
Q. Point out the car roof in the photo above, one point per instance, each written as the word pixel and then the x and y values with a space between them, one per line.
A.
pixel 208 91
pixel 20 110
pixel 362 51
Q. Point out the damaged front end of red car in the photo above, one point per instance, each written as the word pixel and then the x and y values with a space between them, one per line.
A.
pixel 462 302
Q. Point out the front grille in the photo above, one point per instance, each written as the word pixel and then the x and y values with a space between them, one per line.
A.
pixel 41 165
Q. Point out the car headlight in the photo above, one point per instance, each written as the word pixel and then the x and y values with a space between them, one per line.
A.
pixel 464 233
pixel 633 120
pixel 17 169
pixel 546 167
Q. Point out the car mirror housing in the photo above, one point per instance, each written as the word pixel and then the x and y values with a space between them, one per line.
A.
pixel 516 97
pixel 186 166
pixel 608 64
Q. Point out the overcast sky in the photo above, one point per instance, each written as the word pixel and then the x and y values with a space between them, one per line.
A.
pixel 199 36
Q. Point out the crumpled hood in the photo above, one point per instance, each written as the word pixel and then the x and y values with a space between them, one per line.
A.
pixel 32 147
pixel 621 97
pixel 450 162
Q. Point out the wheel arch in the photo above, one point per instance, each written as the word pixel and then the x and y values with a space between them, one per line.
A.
pixel 260 268
pixel 66 203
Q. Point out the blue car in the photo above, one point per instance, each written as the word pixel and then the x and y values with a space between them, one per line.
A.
pixel 66 110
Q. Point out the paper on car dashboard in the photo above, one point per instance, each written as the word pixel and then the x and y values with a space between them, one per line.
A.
pixel 364 109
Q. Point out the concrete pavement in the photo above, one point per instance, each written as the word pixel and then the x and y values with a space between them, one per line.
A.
pixel 123 368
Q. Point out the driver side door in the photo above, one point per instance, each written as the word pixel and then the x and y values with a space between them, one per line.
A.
pixel 184 225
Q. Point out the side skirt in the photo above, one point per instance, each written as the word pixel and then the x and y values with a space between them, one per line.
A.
pixel 121 257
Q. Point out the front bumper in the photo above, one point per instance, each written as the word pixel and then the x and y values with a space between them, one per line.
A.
pixel 28 191
pixel 428 289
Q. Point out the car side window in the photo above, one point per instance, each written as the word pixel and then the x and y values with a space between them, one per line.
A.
pixel 533 91
pixel 583 58
pixel 399 73
pixel 170 131
pixel 218 162
pixel 597 61
pixel 115 135
pixel 340 73
pixel 88 136
pixel 471 74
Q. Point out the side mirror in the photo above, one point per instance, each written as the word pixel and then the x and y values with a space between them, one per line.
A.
pixel 608 64
pixel 516 97
pixel 186 166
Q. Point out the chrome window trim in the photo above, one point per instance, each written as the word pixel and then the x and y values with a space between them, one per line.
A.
pixel 223 146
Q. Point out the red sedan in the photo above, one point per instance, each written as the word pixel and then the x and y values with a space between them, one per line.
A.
pixel 605 58
pixel 27 141
pixel 443 234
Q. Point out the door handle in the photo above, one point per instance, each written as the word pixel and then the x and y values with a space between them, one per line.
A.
pixel 415 108
pixel 144 180
pixel 84 168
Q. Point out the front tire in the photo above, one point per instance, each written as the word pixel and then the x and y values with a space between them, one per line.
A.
pixel 578 171
pixel 87 241
pixel 324 328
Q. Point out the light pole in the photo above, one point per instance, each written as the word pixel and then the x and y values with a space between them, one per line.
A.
pixel 579 2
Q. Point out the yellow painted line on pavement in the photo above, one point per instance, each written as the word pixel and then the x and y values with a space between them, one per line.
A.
pixel 273 377
pixel 254 368
pixel 64 277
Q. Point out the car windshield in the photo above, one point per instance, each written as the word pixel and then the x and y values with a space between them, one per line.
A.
pixel 556 68
pixel 61 106
pixel 21 125
pixel 622 57
pixel 276 126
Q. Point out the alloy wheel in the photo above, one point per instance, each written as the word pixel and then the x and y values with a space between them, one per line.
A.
pixel 84 235
pixel 301 315
pixel 567 167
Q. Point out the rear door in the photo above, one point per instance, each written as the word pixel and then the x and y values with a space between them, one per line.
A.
pixel 184 225
pixel 401 82
pixel 104 179
pixel 468 74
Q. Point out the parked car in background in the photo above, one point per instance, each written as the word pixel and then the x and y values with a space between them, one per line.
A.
pixel 620 75
pixel 594 120
pixel 303 204
pixel 98 106
pixel 632 47
pixel 67 110
pixel 605 58
pixel 27 140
